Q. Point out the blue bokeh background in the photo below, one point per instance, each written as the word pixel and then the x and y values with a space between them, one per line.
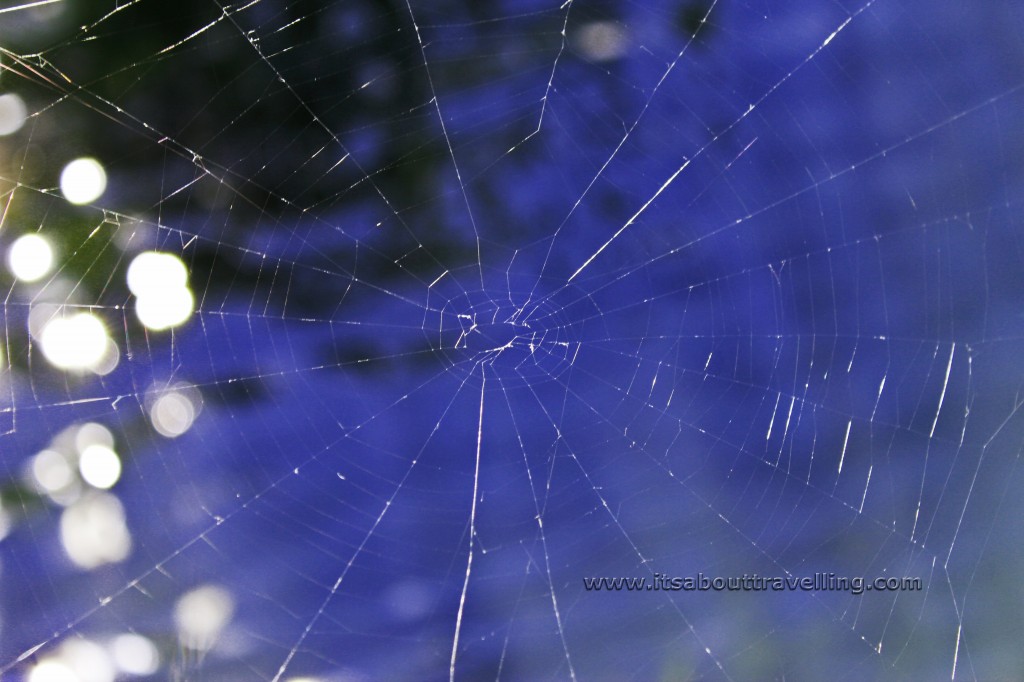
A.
pixel 706 395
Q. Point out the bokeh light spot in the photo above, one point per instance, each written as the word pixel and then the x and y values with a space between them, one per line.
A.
pixel 135 655
pixel 100 466
pixel 76 342
pixel 202 614
pixel 164 308
pixel 172 414
pixel 12 113
pixel 52 671
pixel 93 531
pixel 152 271
pixel 30 258
pixel 83 181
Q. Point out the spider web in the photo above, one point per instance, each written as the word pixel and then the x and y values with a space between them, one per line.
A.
pixel 492 298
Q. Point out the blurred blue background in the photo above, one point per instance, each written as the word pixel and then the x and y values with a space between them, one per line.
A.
pixel 758 266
